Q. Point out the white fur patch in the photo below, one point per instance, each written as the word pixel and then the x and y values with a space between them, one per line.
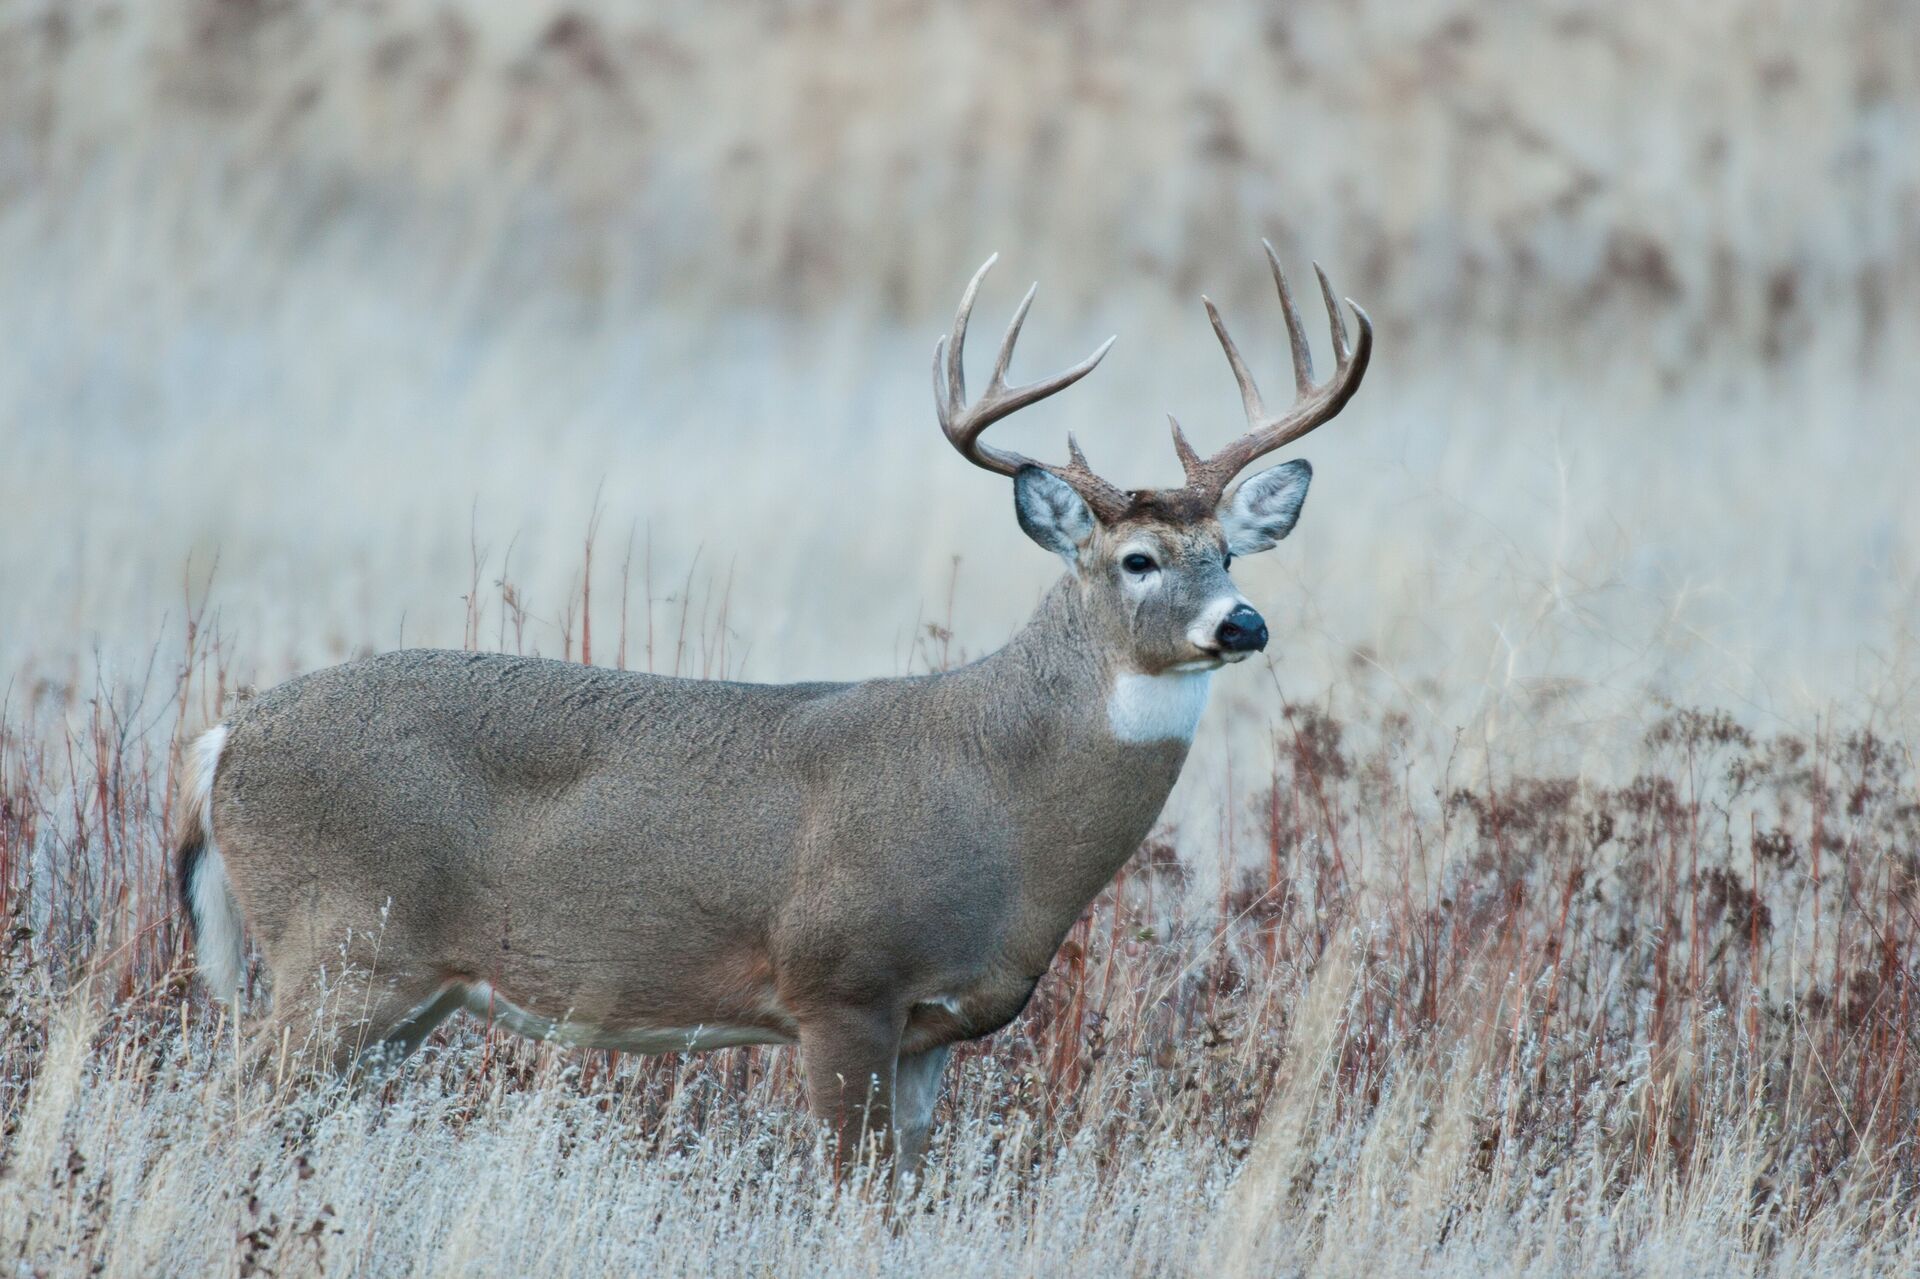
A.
pixel 1205 631
pixel 484 1001
pixel 1158 708
pixel 216 915
pixel 203 758
pixel 951 1003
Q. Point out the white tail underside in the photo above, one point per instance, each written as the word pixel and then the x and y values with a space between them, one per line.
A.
pixel 216 915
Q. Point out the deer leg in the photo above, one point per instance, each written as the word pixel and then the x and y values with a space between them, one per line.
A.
pixel 294 1033
pixel 354 1024
pixel 916 1087
pixel 849 1055
pixel 403 1036
pixel 378 1021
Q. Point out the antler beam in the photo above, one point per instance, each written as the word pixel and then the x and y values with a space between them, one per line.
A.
pixel 963 423
pixel 1313 405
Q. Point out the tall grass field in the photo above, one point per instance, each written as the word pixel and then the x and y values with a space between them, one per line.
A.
pixel 1545 900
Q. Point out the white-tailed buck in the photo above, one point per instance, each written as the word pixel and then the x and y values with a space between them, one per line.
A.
pixel 872 871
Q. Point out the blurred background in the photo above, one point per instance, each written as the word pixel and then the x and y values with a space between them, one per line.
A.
pixel 602 331
pixel 384 307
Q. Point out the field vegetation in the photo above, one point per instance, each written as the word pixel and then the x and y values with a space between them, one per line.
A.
pixel 1546 904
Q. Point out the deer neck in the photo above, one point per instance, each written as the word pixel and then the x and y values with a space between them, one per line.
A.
pixel 1086 750
pixel 1073 685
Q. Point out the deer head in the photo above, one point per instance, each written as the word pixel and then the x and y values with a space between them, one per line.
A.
pixel 1152 564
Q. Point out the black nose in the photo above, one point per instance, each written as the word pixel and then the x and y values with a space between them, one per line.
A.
pixel 1244 631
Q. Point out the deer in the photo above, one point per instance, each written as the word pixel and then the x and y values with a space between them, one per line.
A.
pixel 873 871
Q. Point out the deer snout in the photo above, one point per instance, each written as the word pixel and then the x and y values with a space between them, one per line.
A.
pixel 1242 631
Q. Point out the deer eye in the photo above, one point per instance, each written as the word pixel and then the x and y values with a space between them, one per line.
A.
pixel 1228 562
pixel 1138 563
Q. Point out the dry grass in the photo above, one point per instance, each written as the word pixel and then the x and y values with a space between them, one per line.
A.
pixel 1467 946
pixel 1516 1023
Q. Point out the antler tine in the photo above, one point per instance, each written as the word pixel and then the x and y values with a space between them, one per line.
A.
pixel 956 374
pixel 1249 392
pixel 963 424
pixel 1189 460
pixel 1296 331
pixel 998 382
pixel 1315 405
pixel 1075 458
pixel 1340 350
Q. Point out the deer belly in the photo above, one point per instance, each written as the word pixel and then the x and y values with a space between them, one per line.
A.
pixel 485 1001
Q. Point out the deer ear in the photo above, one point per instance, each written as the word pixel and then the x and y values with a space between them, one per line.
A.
pixel 1264 507
pixel 1051 513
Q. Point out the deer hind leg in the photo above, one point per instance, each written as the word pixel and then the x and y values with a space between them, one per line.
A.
pixel 353 1022
pixel 403 1034
pixel 849 1057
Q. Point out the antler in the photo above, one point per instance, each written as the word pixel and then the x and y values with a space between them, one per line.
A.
pixel 1313 406
pixel 962 423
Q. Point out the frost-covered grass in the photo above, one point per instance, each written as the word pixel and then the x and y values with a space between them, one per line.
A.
pixel 1466 946
pixel 1527 1024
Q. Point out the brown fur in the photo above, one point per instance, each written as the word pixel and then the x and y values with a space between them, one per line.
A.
pixel 874 870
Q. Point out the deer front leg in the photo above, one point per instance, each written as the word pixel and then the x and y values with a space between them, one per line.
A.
pixel 849 1055
pixel 916 1088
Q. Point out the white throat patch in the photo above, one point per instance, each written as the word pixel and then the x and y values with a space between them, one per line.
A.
pixel 1157 708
